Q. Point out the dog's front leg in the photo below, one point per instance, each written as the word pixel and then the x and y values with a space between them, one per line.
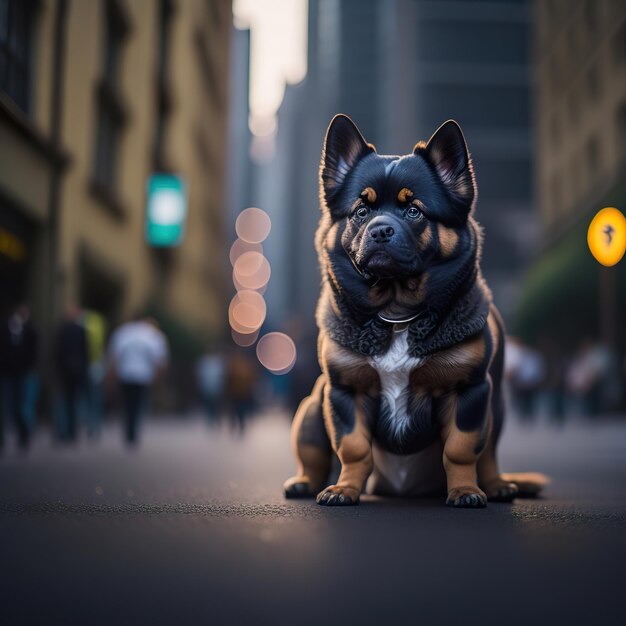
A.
pixel 346 418
pixel 465 435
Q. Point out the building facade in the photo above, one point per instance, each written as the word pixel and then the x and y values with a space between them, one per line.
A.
pixel 580 133
pixel 95 96
pixel 581 107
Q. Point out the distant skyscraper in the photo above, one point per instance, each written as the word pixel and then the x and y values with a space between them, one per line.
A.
pixel 472 64
pixel 400 68
pixel 239 168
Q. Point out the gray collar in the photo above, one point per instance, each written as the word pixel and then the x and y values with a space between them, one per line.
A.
pixel 399 325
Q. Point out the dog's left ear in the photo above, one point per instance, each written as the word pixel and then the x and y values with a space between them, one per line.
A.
pixel 344 147
pixel 447 151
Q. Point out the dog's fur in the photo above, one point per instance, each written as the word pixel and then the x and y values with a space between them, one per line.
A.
pixel 410 343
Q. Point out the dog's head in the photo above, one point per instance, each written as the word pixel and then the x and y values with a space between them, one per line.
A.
pixel 397 215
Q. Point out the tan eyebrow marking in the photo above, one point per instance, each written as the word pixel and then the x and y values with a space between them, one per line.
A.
pixel 356 204
pixel 419 204
pixel 369 195
pixel 404 195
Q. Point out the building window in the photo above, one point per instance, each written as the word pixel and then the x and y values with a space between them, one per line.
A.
pixel 207 68
pixel 555 209
pixel 621 130
pixel 593 159
pixel 574 108
pixel 591 14
pixel 17 20
pixel 619 47
pixel 554 74
pixel 572 47
pixel 163 97
pixel 575 182
pixel 215 13
pixel 111 113
pixel 593 83
pixel 555 128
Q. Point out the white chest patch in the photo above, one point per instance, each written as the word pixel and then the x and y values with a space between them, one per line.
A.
pixel 394 368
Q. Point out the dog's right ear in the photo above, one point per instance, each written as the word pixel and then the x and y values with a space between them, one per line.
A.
pixel 344 147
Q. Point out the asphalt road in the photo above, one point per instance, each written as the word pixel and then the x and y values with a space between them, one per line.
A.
pixel 192 528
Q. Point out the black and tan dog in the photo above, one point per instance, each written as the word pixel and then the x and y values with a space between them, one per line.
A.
pixel 410 343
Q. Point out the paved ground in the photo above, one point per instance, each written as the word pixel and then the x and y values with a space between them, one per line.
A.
pixel 192 528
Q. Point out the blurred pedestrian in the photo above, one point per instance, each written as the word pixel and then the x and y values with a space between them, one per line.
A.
pixel 72 363
pixel 96 329
pixel 525 369
pixel 241 387
pixel 586 376
pixel 19 383
pixel 211 379
pixel 138 355
pixel 552 392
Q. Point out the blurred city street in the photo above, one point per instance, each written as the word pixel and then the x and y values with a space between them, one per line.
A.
pixel 193 521
pixel 177 181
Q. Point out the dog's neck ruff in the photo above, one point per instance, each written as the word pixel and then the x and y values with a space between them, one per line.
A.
pixel 428 331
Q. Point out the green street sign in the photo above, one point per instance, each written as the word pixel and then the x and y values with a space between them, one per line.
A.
pixel 166 210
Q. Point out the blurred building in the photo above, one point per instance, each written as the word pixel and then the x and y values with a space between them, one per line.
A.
pixel 94 97
pixel 400 68
pixel 580 111
pixel 239 136
pixel 581 107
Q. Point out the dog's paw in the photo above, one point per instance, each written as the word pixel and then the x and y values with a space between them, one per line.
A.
pixel 467 497
pixel 298 487
pixel 501 491
pixel 338 496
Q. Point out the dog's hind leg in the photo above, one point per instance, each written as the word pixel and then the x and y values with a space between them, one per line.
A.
pixel 489 477
pixel 502 487
pixel 491 481
pixel 311 447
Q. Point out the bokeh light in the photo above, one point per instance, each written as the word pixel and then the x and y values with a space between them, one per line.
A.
pixel 240 287
pixel 251 270
pixel 253 225
pixel 240 247
pixel 276 352
pixel 244 340
pixel 246 312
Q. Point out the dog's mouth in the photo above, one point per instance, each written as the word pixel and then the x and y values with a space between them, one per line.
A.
pixel 381 262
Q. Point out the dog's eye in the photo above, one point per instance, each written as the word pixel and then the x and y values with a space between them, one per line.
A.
pixel 362 211
pixel 413 212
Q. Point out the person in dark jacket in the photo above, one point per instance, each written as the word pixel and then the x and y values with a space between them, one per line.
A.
pixel 72 362
pixel 18 360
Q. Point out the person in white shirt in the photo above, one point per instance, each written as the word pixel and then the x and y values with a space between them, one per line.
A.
pixel 138 355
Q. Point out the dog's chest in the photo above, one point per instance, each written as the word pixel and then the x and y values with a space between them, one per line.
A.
pixel 394 368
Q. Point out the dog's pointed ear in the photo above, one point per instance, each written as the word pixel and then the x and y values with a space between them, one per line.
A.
pixel 447 152
pixel 344 147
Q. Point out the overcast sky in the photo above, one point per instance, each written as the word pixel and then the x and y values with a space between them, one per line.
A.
pixel 278 53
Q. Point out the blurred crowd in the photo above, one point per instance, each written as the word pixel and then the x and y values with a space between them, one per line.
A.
pixel 589 381
pixel 96 372
pixel 99 371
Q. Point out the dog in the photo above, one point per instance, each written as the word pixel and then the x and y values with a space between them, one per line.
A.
pixel 410 344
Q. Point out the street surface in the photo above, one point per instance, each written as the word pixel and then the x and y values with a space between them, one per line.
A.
pixel 191 527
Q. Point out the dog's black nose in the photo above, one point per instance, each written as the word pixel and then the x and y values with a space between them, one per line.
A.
pixel 381 233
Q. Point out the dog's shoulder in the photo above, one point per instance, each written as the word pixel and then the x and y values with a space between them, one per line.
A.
pixel 345 367
pixel 466 361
